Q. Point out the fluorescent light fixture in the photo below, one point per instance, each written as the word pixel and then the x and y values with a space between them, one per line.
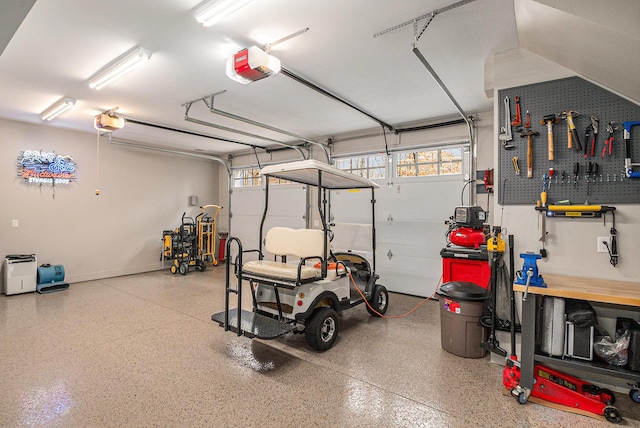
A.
pixel 215 10
pixel 119 67
pixel 58 108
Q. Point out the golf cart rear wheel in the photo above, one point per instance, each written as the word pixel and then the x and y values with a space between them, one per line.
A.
pixel 321 330
pixel 379 301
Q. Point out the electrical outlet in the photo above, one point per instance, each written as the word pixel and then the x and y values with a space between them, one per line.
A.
pixel 602 248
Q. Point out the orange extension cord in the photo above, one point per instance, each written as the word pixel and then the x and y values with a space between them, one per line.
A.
pixel 392 316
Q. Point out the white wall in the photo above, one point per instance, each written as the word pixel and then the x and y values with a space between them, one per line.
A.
pixel 116 233
pixel 571 243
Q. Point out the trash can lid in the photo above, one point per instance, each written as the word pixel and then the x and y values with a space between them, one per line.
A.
pixel 463 291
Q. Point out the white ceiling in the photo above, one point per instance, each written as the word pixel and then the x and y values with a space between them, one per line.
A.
pixel 62 43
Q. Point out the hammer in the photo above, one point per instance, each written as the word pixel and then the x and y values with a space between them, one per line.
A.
pixel 549 120
pixel 529 134
pixel 571 128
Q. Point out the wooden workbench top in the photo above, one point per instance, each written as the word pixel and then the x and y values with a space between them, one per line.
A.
pixel 595 290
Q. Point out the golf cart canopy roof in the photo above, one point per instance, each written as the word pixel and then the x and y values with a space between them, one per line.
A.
pixel 315 173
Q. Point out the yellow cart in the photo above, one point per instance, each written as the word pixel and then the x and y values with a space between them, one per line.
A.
pixel 206 223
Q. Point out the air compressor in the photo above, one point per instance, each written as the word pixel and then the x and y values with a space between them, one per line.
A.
pixel 467 227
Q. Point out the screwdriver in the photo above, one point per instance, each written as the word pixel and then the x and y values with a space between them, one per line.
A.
pixel 587 176
pixel 576 171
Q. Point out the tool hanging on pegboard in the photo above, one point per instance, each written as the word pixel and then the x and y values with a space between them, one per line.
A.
pixel 550 120
pixel 608 144
pixel 505 131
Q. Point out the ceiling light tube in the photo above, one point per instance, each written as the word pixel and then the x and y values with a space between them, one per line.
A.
pixel 58 108
pixel 119 68
pixel 216 10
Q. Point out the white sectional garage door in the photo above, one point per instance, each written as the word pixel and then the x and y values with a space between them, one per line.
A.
pixel 410 215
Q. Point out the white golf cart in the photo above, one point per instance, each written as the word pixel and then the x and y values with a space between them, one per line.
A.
pixel 303 295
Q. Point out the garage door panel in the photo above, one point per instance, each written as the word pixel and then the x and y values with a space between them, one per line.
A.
pixel 351 236
pixel 351 206
pixel 409 275
pixel 426 237
pixel 287 201
pixel 247 233
pixel 287 207
pixel 417 258
pixel 419 201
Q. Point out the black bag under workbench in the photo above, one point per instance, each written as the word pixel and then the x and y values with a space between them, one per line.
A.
pixel 633 327
pixel 580 313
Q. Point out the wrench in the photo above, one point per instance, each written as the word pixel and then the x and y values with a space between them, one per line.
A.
pixel 505 131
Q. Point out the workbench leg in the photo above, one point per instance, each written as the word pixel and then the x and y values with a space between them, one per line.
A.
pixel 528 341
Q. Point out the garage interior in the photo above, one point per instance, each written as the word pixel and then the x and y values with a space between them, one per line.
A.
pixel 129 343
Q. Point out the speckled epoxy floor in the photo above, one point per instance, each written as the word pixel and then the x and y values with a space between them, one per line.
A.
pixel 141 350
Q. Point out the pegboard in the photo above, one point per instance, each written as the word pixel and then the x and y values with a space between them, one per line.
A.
pixel 608 186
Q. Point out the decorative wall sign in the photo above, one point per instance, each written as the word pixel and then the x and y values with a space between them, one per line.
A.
pixel 38 167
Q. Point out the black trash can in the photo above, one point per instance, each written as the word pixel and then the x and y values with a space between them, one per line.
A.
pixel 461 305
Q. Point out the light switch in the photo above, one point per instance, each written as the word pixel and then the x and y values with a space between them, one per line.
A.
pixel 14 223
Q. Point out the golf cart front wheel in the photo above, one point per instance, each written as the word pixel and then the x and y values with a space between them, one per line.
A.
pixel 321 330
pixel 379 301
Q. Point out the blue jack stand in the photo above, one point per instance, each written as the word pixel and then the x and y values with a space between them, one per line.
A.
pixel 529 273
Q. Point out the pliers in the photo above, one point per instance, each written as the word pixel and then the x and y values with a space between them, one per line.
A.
pixel 591 131
pixel 608 144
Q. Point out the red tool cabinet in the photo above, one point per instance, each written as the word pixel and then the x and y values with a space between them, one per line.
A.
pixel 466 265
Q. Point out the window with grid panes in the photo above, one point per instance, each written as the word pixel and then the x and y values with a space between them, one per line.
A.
pixel 248 177
pixel 251 177
pixel 372 167
pixel 429 162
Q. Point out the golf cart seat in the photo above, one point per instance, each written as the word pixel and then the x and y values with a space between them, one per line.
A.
pixel 306 244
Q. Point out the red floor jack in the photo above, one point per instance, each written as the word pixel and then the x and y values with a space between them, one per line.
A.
pixel 554 386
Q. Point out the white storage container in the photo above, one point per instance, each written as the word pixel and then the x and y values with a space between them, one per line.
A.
pixel 20 273
pixel 553 326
